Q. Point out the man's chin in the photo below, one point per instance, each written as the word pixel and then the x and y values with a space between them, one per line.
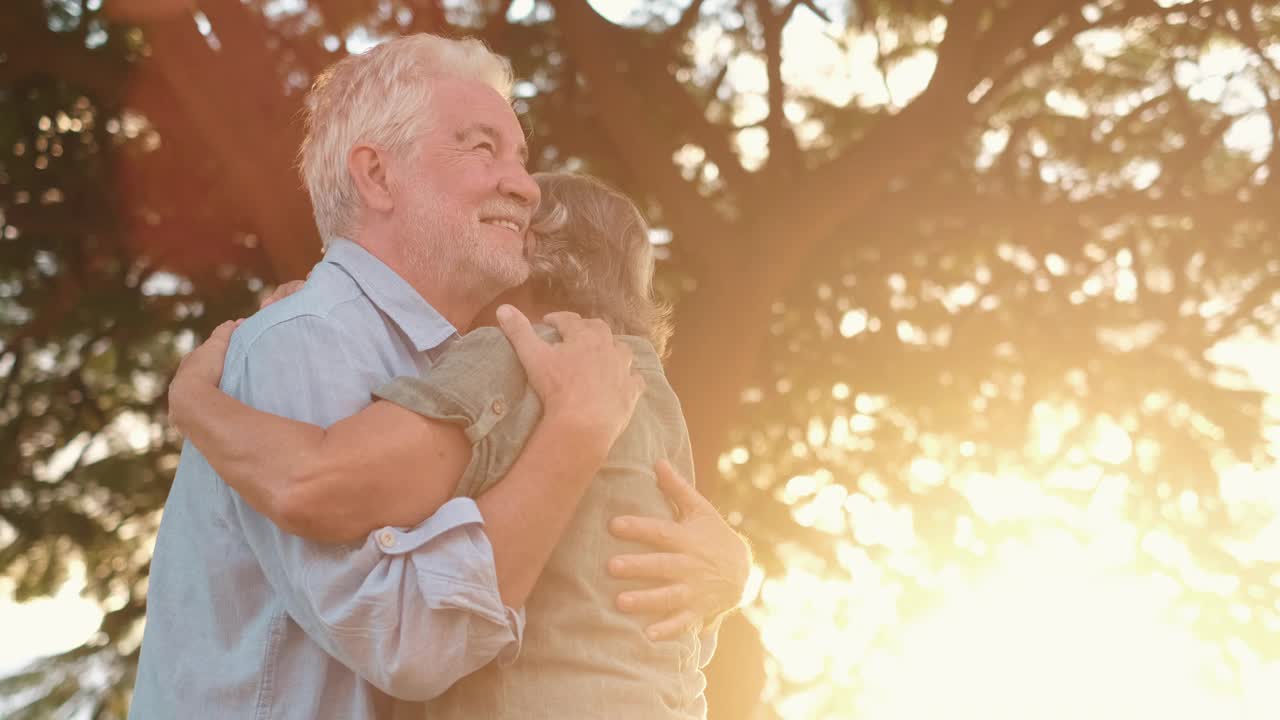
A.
pixel 520 275
pixel 510 274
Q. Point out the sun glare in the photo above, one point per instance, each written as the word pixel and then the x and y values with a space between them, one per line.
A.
pixel 1049 637
pixel 1054 632
pixel 48 625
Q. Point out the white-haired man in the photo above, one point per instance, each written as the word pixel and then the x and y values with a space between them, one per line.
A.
pixel 415 164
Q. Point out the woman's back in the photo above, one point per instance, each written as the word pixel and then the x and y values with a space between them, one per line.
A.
pixel 580 657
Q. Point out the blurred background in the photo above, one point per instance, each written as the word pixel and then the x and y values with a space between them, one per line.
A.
pixel 977 320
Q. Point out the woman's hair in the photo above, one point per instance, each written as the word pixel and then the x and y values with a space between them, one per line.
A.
pixel 593 256
pixel 381 97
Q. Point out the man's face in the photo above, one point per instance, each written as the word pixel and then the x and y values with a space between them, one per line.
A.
pixel 463 198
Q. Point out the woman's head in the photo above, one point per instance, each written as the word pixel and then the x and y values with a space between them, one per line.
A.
pixel 593 256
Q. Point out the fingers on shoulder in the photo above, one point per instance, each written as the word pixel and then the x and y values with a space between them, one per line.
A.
pixel 223 331
pixel 516 327
pixel 567 323
pixel 574 327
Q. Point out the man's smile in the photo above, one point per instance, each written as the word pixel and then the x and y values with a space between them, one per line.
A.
pixel 514 226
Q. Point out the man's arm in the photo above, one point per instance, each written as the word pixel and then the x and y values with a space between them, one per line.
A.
pixel 385 465
pixel 316 482
pixel 588 393
pixel 414 611
pixel 410 611
pixel 696 591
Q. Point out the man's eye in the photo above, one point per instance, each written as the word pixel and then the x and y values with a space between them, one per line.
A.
pixel 486 147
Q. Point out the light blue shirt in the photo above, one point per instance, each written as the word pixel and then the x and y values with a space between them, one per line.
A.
pixel 247 621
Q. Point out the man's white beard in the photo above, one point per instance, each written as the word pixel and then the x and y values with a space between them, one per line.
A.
pixel 446 248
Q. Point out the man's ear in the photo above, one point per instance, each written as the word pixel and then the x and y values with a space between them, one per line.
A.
pixel 368 167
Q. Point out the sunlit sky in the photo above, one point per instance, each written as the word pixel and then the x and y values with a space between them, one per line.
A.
pixel 1057 628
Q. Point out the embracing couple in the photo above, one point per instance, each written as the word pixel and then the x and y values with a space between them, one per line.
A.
pixel 401 499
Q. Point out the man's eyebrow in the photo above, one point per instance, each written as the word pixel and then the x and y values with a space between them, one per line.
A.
pixel 492 134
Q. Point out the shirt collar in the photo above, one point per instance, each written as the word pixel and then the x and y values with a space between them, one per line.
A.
pixel 425 327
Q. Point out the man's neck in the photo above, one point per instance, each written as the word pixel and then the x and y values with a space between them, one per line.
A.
pixel 521 297
pixel 458 307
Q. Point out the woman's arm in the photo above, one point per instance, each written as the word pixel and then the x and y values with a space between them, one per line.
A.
pixel 318 483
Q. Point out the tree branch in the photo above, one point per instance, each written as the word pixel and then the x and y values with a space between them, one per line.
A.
pixel 1017 25
pixel 646 147
pixel 44 52
pixel 675 34
pixel 784 151
pixel 1179 164
pixel 805 213
pixel 1247 32
pixel 310 55
pixel 242 34
pixel 688 115
pixel 497 25
pixel 1001 76
pixel 255 147
pixel 1217 210
pixel 894 148
pixel 1263 294
pixel 429 16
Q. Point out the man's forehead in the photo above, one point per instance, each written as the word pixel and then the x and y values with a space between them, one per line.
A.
pixel 467 94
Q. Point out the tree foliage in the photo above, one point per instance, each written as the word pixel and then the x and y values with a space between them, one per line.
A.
pixel 1037 246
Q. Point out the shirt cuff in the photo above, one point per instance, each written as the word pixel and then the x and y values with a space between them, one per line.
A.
pixel 453 514
pixel 511 652
pixel 451 549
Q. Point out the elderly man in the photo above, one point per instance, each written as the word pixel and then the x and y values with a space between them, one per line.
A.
pixel 415 164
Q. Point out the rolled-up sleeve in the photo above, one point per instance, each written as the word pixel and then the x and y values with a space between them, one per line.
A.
pixel 480 386
pixel 410 610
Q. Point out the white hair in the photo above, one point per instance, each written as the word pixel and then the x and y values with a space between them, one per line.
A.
pixel 380 97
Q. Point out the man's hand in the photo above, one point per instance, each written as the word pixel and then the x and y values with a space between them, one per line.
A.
pixel 201 367
pixel 704 562
pixel 586 379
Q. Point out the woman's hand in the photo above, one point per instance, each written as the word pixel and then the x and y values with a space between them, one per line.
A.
pixel 586 378
pixel 282 291
pixel 200 370
pixel 703 561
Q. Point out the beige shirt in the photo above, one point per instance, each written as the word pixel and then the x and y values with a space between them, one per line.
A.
pixel 581 657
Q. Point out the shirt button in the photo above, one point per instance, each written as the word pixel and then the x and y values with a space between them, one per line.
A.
pixel 498 407
pixel 386 539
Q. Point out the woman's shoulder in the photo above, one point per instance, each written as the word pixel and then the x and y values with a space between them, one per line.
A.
pixel 468 372
pixel 489 343
pixel 644 356
pixel 481 337
pixel 488 338
pixel 482 348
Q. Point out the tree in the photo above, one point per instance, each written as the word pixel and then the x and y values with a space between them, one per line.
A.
pixel 1061 220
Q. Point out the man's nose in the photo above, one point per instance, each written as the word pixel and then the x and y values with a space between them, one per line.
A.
pixel 520 187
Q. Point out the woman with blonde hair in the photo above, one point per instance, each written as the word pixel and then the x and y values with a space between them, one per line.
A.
pixel 581 657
